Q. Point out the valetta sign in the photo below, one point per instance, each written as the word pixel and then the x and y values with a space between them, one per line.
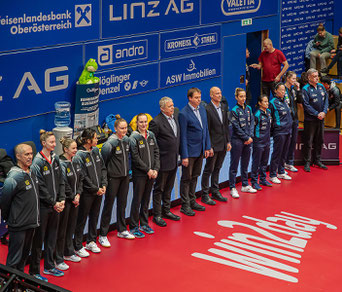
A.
pixel 242 250
pixel 233 7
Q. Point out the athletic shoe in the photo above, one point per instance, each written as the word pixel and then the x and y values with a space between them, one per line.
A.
pixel 266 183
pixel 248 189
pixel 62 266
pixel 284 176
pixel 74 258
pixel 125 234
pixel 92 246
pixel 257 187
pixel 234 193
pixel 53 272
pixel 82 253
pixel 137 233
pixel 147 229
pixel 290 167
pixel 40 277
pixel 275 180
pixel 103 240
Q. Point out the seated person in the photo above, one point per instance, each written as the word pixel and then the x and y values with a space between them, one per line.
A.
pixel 337 58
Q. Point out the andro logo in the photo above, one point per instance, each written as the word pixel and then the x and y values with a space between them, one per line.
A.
pixel 234 7
pixel 82 15
pixel 122 52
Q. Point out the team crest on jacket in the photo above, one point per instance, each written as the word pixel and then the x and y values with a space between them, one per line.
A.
pixel 28 185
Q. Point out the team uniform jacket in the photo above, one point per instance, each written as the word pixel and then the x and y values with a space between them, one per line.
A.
pixel 115 153
pixel 281 116
pixel 315 100
pixel 94 170
pixel 293 97
pixel 51 183
pixel 20 200
pixel 262 129
pixel 242 122
pixel 144 152
pixel 73 177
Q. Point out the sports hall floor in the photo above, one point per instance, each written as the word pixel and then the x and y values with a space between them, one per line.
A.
pixel 199 254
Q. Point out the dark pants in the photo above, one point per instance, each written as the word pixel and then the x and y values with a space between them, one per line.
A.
pixel 19 248
pixel 267 88
pixel 142 187
pixel 280 149
pixel 313 138
pixel 89 206
pixel 338 116
pixel 212 168
pixel 46 233
pixel 66 230
pixel 243 152
pixel 260 158
pixel 117 188
pixel 292 145
pixel 189 181
pixel 162 192
pixel 338 59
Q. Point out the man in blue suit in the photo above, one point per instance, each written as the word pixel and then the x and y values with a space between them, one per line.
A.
pixel 195 143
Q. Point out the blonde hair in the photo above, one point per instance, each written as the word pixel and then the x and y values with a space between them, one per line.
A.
pixel 44 135
pixel 66 142
pixel 238 90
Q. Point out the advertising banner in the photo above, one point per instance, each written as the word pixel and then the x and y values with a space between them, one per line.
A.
pixel 195 68
pixel 190 41
pixel 127 81
pixel 124 17
pixel 27 24
pixel 124 51
pixel 213 11
pixel 32 81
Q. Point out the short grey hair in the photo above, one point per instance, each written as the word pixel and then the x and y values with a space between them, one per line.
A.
pixel 164 100
pixel 311 71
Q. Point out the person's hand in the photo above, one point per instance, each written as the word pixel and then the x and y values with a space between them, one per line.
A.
pixel 211 152
pixel 255 66
pixel 277 79
pixel 150 173
pixel 76 200
pixel 297 85
pixel 206 153
pixel 229 147
pixel 321 115
pixel 185 162
pixel 249 141
pixel 58 207
pixel 104 189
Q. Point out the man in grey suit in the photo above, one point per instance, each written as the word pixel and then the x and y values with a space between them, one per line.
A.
pixel 217 116
pixel 166 129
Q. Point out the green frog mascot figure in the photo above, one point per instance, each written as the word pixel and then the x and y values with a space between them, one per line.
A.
pixel 87 76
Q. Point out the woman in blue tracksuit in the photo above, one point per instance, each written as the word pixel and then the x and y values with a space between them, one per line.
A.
pixel 281 132
pixel 261 143
pixel 73 179
pixel 241 140
pixel 94 186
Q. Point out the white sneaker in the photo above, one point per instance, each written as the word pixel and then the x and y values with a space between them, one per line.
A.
pixel 74 258
pixel 284 176
pixel 248 189
pixel 92 246
pixel 275 180
pixel 125 234
pixel 103 240
pixel 234 193
pixel 290 167
pixel 62 266
pixel 82 253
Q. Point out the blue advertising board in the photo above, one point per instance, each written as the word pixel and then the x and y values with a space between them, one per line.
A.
pixel 27 24
pixel 213 11
pixel 32 81
pixel 127 17
pixel 125 51
pixel 127 81
pixel 190 41
pixel 195 68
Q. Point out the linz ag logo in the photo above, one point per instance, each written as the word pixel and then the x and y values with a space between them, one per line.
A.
pixel 122 52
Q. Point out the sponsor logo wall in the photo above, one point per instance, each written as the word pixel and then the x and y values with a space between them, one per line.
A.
pixel 299 20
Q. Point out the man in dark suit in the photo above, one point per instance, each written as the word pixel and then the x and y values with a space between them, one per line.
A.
pixel 195 143
pixel 220 142
pixel 166 129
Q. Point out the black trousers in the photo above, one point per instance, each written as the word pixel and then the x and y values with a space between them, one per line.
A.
pixel 313 138
pixel 89 206
pixel 66 230
pixel 162 191
pixel 117 188
pixel 142 187
pixel 46 233
pixel 267 88
pixel 19 248
pixel 338 116
pixel 212 168
pixel 189 180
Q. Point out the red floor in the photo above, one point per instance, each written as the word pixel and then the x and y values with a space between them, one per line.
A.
pixel 165 261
